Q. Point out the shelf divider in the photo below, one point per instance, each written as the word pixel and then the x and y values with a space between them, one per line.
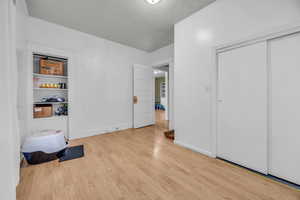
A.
pixel 49 76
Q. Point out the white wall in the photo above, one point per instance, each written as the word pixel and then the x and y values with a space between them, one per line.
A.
pixel 21 24
pixel 101 90
pixel 20 38
pixel 162 54
pixel 21 45
pixel 8 136
pixel 221 22
pixel 21 17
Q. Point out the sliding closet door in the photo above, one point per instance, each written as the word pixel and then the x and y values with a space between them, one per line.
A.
pixel 285 108
pixel 242 106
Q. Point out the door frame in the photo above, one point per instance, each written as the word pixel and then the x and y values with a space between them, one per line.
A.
pixel 262 37
pixel 170 63
pixel 168 96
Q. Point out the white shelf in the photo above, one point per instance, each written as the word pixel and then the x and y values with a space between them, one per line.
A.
pixel 49 76
pixel 50 89
pixel 64 102
pixel 52 118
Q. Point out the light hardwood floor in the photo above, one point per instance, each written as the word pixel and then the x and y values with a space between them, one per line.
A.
pixel 142 165
pixel 160 121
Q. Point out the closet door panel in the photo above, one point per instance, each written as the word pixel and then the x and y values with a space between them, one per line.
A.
pixel 285 108
pixel 242 107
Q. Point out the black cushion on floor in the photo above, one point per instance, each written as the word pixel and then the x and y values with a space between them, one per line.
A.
pixel 72 153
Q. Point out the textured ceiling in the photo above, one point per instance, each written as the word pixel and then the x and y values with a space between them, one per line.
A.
pixel 131 22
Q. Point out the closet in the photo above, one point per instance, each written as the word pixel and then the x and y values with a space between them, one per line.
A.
pixel 258 106
pixel 284 158
pixel 242 112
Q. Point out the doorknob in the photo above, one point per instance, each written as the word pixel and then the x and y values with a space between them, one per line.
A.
pixel 135 99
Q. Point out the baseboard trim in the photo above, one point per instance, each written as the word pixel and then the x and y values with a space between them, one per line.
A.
pixel 193 148
pixel 100 131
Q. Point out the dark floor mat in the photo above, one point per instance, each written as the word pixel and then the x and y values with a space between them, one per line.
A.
pixel 72 153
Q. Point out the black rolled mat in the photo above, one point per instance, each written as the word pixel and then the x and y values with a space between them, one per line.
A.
pixel 72 153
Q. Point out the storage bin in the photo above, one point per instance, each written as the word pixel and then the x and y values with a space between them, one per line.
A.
pixel 40 111
pixel 50 67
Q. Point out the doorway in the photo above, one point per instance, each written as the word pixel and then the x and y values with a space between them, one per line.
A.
pixel 161 75
pixel 147 108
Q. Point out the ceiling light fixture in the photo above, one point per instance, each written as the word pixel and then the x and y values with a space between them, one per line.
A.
pixel 153 1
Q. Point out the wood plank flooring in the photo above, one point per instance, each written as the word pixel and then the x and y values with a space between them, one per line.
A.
pixel 142 165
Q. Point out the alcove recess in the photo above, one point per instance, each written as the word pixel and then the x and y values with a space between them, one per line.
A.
pixel 50 87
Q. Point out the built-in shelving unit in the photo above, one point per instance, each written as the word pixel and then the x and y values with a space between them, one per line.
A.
pixel 47 87
pixel 163 89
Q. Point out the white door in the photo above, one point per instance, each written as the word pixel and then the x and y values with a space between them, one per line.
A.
pixel 143 96
pixel 242 106
pixel 285 108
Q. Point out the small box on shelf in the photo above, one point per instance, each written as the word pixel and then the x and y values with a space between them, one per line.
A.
pixel 50 67
pixel 42 111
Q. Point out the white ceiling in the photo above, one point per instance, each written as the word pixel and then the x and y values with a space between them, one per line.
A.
pixel 158 73
pixel 131 22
